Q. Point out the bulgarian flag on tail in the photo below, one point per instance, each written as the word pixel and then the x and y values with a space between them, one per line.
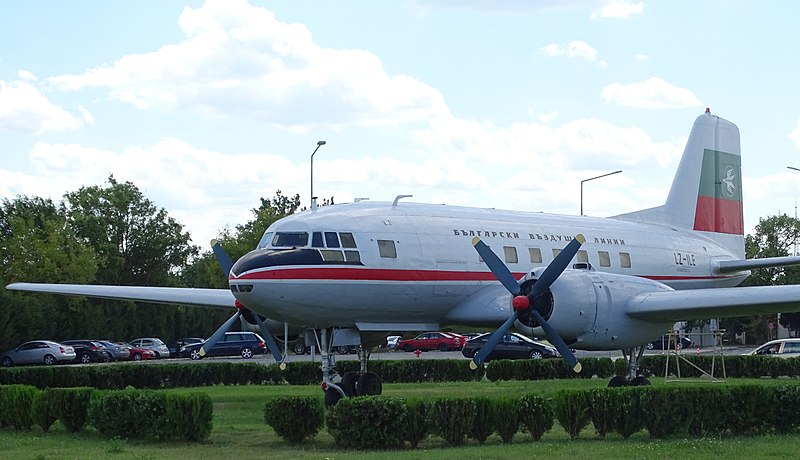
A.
pixel 719 199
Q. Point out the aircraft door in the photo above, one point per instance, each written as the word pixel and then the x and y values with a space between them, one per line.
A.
pixel 603 298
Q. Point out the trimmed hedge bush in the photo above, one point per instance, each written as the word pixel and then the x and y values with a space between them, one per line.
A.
pixel 71 405
pixel 451 418
pixel 369 422
pixel 294 418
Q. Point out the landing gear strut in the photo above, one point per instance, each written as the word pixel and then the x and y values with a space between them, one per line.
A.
pixel 632 356
pixel 352 384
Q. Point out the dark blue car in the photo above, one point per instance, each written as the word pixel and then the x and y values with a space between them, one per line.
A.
pixel 244 344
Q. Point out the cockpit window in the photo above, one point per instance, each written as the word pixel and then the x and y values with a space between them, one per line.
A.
pixel 290 239
pixel 316 240
pixel 347 240
pixel 331 240
pixel 265 240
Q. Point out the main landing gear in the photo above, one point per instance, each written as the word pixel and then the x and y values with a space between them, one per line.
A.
pixel 633 379
pixel 361 383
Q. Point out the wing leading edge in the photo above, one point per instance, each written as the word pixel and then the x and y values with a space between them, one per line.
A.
pixel 219 298
pixel 665 306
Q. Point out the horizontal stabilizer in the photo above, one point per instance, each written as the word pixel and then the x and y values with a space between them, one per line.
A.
pixel 673 306
pixel 220 298
pixel 730 266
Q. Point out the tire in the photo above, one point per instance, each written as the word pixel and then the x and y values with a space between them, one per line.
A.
pixel 649 346
pixel 7 361
pixel 640 381
pixel 136 357
pixel 617 381
pixel 194 355
pixel 349 384
pixel 86 358
pixel 247 353
pixel 332 397
pixel 300 348
pixel 49 360
pixel 369 383
pixel 407 347
pixel 443 346
pixel 535 354
pixel 342 350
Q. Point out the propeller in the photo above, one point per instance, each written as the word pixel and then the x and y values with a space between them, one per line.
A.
pixel 523 302
pixel 226 264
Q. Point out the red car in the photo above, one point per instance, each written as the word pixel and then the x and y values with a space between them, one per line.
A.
pixel 442 341
pixel 137 354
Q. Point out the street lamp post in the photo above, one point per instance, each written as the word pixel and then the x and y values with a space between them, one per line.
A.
pixel 795 213
pixel 593 178
pixel 313 198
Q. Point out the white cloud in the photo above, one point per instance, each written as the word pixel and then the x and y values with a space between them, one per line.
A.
pixel 547 117
pixel 238 59
pixel 618 9
pixel 653 93
pixel 23 108
pixel 574 49
pixel 795 134
pixel 641 57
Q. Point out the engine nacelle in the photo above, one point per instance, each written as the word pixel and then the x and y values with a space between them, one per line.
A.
pixel 587 309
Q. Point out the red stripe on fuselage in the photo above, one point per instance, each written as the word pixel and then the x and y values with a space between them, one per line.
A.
pixel 377 274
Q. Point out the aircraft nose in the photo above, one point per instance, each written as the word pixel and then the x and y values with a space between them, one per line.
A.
pixel 266 258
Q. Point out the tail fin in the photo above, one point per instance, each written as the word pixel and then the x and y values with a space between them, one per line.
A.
pixel 706 194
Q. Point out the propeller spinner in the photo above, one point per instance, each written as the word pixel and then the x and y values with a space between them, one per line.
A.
pixel 525 302
pixel 226 263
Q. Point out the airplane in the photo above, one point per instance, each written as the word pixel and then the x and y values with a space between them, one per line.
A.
pixel 356 272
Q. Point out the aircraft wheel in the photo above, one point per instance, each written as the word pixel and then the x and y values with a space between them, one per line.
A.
pixel 640 381
pixel 369 383
pixel 617 381
pixel 332 397
pixel 349 384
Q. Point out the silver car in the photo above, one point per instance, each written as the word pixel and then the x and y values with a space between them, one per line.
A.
pixel 38 352
pixel 151 343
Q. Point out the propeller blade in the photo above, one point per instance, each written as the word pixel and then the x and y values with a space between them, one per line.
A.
pixel 223 258
pixel 208 344
pixel 492 341
pixel 553 271
pixel 273 347
pixel 501 272
pixel 557 341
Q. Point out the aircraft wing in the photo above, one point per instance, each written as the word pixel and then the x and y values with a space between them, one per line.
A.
pixel 220 298
pixel 691 304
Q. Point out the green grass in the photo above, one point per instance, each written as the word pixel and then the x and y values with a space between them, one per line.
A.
pixel 240 433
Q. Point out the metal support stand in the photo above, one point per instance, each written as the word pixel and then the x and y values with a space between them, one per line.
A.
pixel 675 352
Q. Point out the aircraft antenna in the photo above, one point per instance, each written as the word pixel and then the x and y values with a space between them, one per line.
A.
pixel 398 198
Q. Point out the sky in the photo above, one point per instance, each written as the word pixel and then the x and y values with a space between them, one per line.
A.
pixel 208 106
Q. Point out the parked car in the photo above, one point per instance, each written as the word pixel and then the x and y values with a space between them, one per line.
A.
pixel 175 349
pixel 781 348
pixel 512 346
pixel 117 350
pixel 38 352
pixel 442 341
pixel 665 343
pixel 137 354
pixel 151 343
pixel 244 344
pixel 391 341
pixel 88 351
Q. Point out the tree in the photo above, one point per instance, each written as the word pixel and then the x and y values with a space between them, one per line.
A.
pixel 37 245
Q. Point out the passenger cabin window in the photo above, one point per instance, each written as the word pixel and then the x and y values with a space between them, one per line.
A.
pixel 536 255
pixel 556 252
pixel 387 249
pixel 290 239
pixel 511 254
pixel 582 256
pixel 605 259
pixel 331 240
pixel 352 256
pixel 264 242
pixel 624 260
pixel 316 240
pixel 347 240
pixel 331 255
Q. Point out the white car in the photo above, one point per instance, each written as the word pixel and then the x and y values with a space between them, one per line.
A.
pixel 391 341
pixel 150 343
pixel 782 348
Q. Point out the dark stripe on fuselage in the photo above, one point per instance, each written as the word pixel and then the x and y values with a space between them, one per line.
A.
pixel 281 258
